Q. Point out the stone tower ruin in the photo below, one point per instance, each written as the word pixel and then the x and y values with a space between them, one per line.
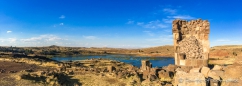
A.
pixel 191 42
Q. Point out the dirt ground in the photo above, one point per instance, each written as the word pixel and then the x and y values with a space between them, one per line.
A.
pixel 9 71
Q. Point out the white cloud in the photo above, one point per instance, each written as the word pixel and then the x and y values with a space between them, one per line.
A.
pixel 62 17
pixel 32 39
pixel 168 30
pixel 167 39
pixel 12 40
pixel 140 23
pixel 9 31
pixel 1 40
pixel 149 33
pixel 152 24
pixel 170 11
pixel 90 37
pixel 130 22
pixel 9 40
pixel 53 38
pixel 42 38
pixel 61 23
pixel 167 20
pixel 181 17
pixel 222 40
pixel 225 41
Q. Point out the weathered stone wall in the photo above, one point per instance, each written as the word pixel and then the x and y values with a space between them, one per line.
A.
pixel 191 42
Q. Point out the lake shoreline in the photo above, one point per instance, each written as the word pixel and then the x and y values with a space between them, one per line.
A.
pixel 129 59
pixel 136 55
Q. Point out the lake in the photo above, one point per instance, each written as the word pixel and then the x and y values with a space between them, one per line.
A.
pixel 134 60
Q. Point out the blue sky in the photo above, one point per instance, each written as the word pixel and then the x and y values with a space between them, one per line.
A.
pixel 113 23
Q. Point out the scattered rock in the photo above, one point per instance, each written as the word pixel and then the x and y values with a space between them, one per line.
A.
pixel 171 67
pixel 217 67
pixel 195 70
pixel 214 82
pixel 120 75
pixel 185 68
pixel 219 73
pixel 111 68
pixel 205 70
pixel 164 75
pixel 213 75
pixel 153 77
pixel 12 71
pixel 29 70
pixel 2 70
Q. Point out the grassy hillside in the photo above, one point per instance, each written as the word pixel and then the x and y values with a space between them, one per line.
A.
pixel 227 51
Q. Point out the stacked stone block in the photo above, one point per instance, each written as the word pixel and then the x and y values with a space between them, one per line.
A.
pixel 145 65
pixel 191 42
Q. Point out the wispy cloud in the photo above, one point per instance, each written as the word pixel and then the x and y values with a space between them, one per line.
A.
pixel 130 22
pixel 62 17
pixel 149 33
pixel 61 23
pixel 140 23
pixel 32 39
pixel 9 40
pixel 223 40
pixel 90 37
pixel 163 39
pixel 12 40
pixel 9 31
pixel 167 20
pixel 168 30
pixel 42 38
pixel 181 17
pixel 152 24
pixel 170 11
pixel 226 41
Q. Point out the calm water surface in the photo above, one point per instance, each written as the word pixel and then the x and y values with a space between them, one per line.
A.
pixel 134 60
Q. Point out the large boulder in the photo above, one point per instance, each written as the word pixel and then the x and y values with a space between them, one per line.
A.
pixel 232 75
pixel 185 68
pixel 189 79
pixel 217 67
pixel 195 70
pixel 213 75
pixel 171 68
pixel 205 70
pixel 164 75
pixel 218 73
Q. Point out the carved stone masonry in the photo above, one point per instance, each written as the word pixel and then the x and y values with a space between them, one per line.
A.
pixel 191 42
